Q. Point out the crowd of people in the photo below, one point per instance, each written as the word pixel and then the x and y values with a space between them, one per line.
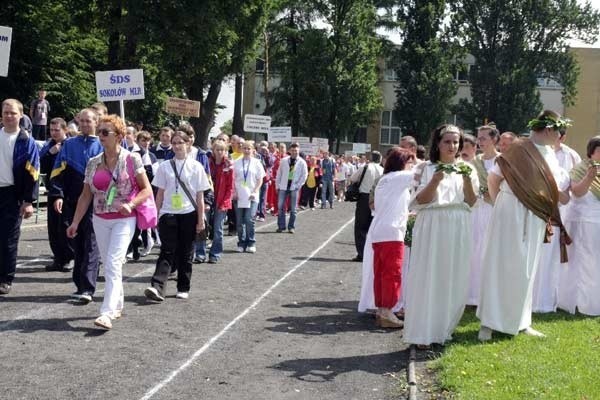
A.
pixel 488 220
pixel 106 181
pixel 499 222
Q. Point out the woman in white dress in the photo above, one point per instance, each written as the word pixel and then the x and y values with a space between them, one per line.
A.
pixel 438 277
pixel 487 138
pixel 580 281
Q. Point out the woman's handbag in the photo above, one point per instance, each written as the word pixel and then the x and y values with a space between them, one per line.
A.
pixel 146 213
pixel 352 192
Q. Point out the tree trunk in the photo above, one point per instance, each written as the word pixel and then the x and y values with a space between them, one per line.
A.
pixel 115 14
pixel 203 125
pixel 238 125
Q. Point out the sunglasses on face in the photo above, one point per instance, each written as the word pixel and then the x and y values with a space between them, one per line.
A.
pixel 105 132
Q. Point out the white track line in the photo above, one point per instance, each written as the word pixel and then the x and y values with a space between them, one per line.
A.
pixel 256 302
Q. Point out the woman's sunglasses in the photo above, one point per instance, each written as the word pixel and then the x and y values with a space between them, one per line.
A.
pixel 105 132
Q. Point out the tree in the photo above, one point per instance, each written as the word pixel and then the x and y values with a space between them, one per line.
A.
pixel 328 74
pixel 515 43
pixel 227 127
pixel 425 65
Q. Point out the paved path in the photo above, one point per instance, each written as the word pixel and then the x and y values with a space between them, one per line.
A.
pixel 278 324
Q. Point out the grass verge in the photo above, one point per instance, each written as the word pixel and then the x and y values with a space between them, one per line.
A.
pixel 564 365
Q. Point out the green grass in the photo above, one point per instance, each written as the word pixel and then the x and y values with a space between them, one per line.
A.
pixel 564 365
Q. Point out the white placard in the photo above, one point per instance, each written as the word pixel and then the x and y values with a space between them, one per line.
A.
pixel 323 143
pixel 183 107
pixel 280 134
pixel 124 84
pixel 349 153
pixel 359 148
pixel 257 123
pixel 310 148
pixel 5 40
pixel 300 139
pixel 368 147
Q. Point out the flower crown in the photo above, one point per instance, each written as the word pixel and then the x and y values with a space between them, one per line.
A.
pixel 549 122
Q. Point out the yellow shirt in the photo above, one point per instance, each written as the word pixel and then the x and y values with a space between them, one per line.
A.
pixel 235 155
pixel 311 181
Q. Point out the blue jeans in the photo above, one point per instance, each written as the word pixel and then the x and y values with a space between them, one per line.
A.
pixel 200 245
pixel 217 245
pixel 326 193
pixel 260 212
pixel 245 225
pixel 281 196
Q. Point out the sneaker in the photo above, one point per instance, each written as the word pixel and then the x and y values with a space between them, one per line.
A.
pixel 312 209
pixel 149 247
pixel 240 249
pixel 251 249
pixel 279 230
pixel 75 295
pixel 200 259
pixel 129 256
pixel 182 295
pixel 213 260
pixel 292 230
pixel 68 267
pixel 5 288
pixel 53 267
pixel 152 294
pixel 260 219
pixel 103 322
pixel 86 297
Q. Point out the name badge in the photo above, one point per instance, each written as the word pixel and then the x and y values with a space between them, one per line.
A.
pixel 291 176
pixel 244 184
pixel 110 196
pixel 177 201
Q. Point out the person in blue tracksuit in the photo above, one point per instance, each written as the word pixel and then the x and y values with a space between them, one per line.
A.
pixel 19 173
pixel 66 184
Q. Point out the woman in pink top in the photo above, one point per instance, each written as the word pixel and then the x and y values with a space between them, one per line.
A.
pixel 109 184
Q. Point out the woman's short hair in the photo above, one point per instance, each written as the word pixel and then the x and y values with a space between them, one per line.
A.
pixel 219 144
pixel 144 135
pixel 116 121
pixel 181 135
pixel 492 131
pixel 397 158
pixel 592 144
pixel 436 137
pixel 468 138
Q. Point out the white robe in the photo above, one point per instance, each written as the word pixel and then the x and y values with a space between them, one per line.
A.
pixel 511 257
pixel 437 282
pixel 580 280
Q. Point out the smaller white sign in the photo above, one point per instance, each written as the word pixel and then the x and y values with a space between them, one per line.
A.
pixel 5 40
pixel 300 140
pixel 323 143
pixel 310 149
pixel 359 148
pixel 349 153
pixel 124 84
pixel 280 134
pixel 257 123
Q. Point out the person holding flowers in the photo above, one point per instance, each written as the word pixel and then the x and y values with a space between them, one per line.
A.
pixel 579 282
pixel 438 276
pixel 526 186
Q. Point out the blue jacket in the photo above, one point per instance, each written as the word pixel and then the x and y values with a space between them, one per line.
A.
pixel 66 180
pixel 202 158
pixel 26 167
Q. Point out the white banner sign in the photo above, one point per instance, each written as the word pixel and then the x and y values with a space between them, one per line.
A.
pixel 280 134
pixel 183 107
pixel 257 123
pixel 5 40
pixel 124 84
pixel 359 148
pixel 300 139
pixel 323 143
pixel 310 149
pixel 349 153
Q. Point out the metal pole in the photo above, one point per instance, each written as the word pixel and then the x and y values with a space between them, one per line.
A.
pixel 122 109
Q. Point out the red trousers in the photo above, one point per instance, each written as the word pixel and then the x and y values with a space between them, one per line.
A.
pixel 387 270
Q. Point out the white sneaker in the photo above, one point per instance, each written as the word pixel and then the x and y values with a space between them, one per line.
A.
pixel 251 249
pixel 532 332
pixel 485 334
pixel 240 249
pixel 182 295
pixel 148 248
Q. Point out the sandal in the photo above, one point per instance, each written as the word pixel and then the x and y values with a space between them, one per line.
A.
pixel 103 321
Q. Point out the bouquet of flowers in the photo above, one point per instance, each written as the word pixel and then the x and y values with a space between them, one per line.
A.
pixel 459 168
pixel 410 224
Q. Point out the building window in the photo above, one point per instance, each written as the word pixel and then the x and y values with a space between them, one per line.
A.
pixel 389 72
pixel 390 128
pixel 548 83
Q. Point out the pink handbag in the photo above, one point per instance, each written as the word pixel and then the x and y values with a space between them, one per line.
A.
pixel 146 213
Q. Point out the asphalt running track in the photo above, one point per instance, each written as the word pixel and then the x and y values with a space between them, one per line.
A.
pixel 278 324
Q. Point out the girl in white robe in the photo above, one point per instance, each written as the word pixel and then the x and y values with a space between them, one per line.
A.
pixel 579 287
pixel 438 277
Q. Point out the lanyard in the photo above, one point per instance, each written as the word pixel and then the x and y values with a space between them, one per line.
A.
pixel 178 174
pixel 115 172
pixel 245 170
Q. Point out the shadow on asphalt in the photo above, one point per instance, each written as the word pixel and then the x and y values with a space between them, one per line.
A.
pixel 35 299
pixel 44 279
pixel 327 369
pixel 28 325
pixel 327 324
